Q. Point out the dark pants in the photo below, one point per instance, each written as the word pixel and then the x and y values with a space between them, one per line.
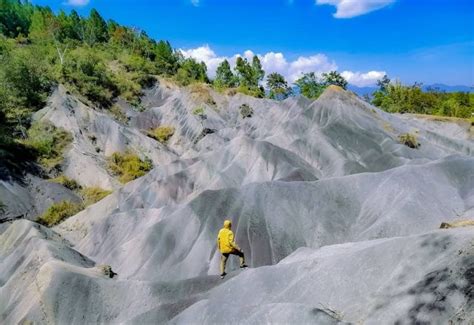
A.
pixel 225 256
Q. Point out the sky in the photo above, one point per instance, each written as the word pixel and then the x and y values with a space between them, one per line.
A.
pixel 428 41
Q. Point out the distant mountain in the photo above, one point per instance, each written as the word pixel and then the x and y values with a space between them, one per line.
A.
pixel 449 89
pixel 361 91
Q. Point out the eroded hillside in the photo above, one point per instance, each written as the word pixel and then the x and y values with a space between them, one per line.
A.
pixel 336 204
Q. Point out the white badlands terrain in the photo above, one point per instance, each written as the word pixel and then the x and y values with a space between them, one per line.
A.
pixel 338 220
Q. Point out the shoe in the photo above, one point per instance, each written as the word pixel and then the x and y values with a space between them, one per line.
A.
pixel 244 266
pixel 223 275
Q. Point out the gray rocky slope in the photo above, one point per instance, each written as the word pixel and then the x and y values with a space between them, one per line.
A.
pixel 338 220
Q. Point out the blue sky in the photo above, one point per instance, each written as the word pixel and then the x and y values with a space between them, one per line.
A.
pixel 413 40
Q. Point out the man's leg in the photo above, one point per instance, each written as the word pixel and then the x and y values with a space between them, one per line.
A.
pixel 241 257
pixel 224 257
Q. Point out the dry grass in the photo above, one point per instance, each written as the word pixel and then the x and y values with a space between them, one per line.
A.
pixel 388 127
pixel 335 88
pixel 128 166
pixel 91 195
pixel 438 118
pixel 201 93
pixel 409 140
pixel 456 224
pixel 66 182
pixel 59 212
pixel 162 133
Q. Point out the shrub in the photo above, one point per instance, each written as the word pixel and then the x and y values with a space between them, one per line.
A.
pixel 91 195
pixel 66 182
pixel 58 212
pixel 86 71
pixel 128 166
pixel 162 133
pixel 257 92
pixel 199 111
pixel 245 111
pixel 409 140
pixel 456 224
pixel 201 93
pixel 118 114
pixel 49 142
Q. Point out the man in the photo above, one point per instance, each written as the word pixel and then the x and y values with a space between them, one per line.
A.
pixel 227 246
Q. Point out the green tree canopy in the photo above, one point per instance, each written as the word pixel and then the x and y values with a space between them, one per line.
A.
pixel 334 78
pixel 224 76
pixel 277 86
pixel 310 86
pixel 96 29
pixel 191 71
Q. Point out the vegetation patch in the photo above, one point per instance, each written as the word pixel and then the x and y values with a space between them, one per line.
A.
pixel 199 111
pixel 49 142
pixel 456 224
pixel 162 133
pixel 128 166
pixel 201 93
pixel 410 140
pixel 66 182
pixel 118 114
pixel 91 195
pixel 245 110
pixel 59 212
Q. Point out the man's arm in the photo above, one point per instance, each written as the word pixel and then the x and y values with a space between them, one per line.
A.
pixel 232 243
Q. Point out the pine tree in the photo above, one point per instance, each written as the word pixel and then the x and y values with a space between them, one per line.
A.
pixel 224 76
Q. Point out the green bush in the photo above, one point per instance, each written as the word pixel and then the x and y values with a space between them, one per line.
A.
pixel 199 111
pixel 85 70
pixel 58 212
pixel 128 166
pixel 118 114
pixel 257 92
pixel 162 133
pixel 91 195
pixel 410 140
pixel 66 182
pixel 49 142
pixel 245 111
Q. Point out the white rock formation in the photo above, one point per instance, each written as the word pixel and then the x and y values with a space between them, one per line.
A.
pixel 338 220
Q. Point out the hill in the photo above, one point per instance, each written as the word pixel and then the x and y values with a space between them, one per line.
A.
pixel 338 218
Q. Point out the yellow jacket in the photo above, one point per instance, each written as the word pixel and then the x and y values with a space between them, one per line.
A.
pixel 225 239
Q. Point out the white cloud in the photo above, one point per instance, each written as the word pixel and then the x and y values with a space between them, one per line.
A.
pixel 276 62
pixel 353 8
pixel 77 3
pixel 318 63
pixel 363 79
pixel 195 3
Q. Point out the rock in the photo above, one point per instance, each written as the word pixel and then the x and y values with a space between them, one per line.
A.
pixel 337 218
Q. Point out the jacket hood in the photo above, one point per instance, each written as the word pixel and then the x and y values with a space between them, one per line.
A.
pixel 227 224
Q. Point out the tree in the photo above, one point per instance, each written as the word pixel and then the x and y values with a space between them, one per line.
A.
pixel 244 72
pixel 96 29
pixel 15 17
pixel 249 76
pixel 383 84
pixel 278 86
pixel 334 78
pixel 258 72
pixel 224 76
pixel 77 24
pixel 310 86
pixel 191 71
pixel 166 59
